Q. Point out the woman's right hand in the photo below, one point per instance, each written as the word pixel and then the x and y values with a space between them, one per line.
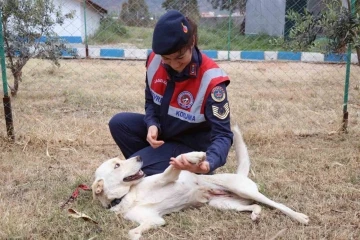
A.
pixel 152 137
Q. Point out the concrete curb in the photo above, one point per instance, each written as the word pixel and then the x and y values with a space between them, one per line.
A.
pixel 141 54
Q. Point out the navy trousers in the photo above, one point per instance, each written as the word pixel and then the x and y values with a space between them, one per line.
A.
pixel 129 132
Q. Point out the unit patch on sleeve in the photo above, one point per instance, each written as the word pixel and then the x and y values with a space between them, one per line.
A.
pixel 221 112
pixel 218 94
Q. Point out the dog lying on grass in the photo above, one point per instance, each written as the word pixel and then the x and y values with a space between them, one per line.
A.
pixel 121 186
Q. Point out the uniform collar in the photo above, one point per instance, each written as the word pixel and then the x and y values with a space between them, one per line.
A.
pixel 190 71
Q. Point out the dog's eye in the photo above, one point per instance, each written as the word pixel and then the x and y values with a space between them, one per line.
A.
pixel 117 165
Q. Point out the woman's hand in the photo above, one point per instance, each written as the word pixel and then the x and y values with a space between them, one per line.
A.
pixel 152 136
pixel 183 164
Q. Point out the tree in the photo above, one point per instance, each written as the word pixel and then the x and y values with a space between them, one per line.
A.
pixel 189 8
pixel 28 33
pixel 232 6
pixel 335 22
pixel 135 13
pixel 229 5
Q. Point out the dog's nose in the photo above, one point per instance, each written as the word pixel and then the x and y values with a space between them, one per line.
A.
pixel 138 159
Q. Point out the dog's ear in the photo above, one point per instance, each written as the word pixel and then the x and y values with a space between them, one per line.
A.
pixel 97 187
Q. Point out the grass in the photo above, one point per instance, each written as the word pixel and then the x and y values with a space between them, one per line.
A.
pixel 215 39
pixel 288 112
pixel 139 37
pixel 218 37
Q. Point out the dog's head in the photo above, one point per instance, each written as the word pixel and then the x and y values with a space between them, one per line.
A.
pixel 114 177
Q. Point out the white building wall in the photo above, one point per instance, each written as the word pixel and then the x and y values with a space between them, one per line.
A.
pixel 76 27
pixel 71 27
pixel 92 20
pixel 264 16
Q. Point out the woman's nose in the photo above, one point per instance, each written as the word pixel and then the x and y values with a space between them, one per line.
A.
pixel 175 64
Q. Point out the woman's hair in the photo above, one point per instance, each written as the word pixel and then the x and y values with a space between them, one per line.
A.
pixel 193 33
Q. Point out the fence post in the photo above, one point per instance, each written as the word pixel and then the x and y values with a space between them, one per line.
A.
pixel 86 40
pixel 6 98
pixel 229 32
pixel 345 119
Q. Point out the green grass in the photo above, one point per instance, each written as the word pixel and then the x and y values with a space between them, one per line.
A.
pixel 141 37
pixel 215 39
pixel 219 40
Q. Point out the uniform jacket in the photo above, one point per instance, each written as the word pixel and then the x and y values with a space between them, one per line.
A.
pixel 190 107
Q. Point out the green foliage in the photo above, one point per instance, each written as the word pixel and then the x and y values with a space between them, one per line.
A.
pixel 217 39
pixel 189 8
pixel 229 5
pixel 135 13
pixel 209 38
pixel 303 33
pixel 24 24
pixel 335 23
pixel 110 31
pixel 110 24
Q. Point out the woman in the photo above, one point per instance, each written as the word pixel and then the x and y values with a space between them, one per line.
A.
pixel 186 106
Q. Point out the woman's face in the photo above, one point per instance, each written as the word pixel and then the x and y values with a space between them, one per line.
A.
pixel 179 60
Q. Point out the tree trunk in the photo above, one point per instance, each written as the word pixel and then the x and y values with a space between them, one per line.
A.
pixel 242 26
pixel 358 54
pixel 17 79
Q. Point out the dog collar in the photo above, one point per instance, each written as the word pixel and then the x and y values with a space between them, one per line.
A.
pixel 114 202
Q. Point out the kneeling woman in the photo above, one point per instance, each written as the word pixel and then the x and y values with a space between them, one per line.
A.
pixel 186 105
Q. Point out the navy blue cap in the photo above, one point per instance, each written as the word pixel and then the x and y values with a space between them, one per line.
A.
pixel 171 33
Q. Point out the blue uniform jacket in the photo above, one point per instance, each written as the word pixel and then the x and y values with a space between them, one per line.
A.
pixel 214 136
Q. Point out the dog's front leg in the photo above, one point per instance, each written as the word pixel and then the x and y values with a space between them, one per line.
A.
pixel 170 174
pixel 147 221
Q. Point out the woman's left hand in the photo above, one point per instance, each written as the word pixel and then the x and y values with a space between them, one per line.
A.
pixel 182 164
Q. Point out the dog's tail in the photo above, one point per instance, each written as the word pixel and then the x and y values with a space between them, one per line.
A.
pixel 241 152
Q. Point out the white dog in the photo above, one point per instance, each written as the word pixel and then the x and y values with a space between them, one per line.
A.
pixel 120 185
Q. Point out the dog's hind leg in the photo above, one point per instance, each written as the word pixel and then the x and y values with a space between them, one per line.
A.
pixel 302 218
pixel 252 193
pixel 247 189
pixel 232 203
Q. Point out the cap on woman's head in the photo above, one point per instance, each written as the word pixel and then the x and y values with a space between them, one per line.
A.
pixel 171 33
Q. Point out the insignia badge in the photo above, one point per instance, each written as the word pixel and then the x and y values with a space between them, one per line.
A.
pixel 218 94
pixel 193 69
pixel 185 29
pixel 221 112
pixel 185 100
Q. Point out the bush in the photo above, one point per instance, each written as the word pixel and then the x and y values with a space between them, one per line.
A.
pixel 110 31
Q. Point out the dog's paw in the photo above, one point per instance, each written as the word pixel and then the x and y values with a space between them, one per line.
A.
pixel 255 217
pixel 255 214
pixel 134 234
pixel 302 218
pixel 195 157
pixel 202 195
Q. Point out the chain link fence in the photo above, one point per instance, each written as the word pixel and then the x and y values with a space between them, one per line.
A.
pixel 273 89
